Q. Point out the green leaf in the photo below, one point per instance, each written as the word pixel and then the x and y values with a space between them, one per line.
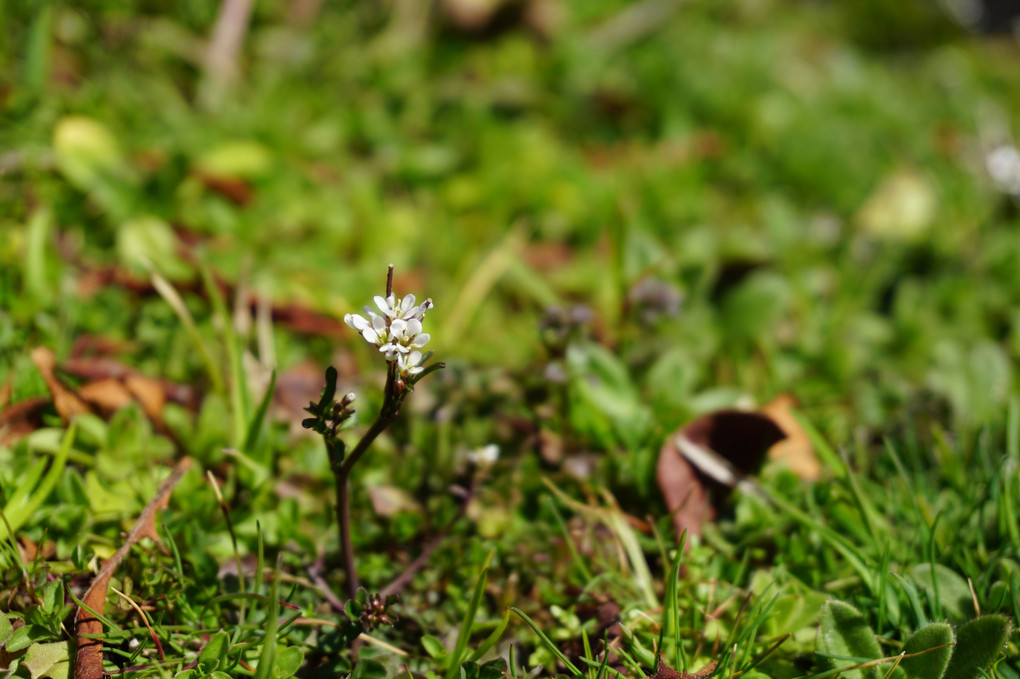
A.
pixel 25 636
pixel 52 595
pixel 6 629
pixel 978 643
pixel 951 590
pixel 494 669
pixel 212 655
pixel 288 660
pixel 931 664
pixel 434 647
pixel 845 633
pixel 49 660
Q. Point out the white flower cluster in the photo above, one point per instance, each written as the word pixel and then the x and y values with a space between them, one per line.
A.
pixel 397 332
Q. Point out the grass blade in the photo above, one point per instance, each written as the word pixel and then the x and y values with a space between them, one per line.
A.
pixel 547 642
pixel 453 669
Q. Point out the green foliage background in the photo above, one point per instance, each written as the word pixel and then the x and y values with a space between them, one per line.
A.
pixel 808 178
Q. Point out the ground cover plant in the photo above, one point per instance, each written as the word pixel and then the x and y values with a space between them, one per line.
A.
pixel 621 238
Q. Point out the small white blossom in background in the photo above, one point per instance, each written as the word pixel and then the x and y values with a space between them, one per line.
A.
pixel 397 332
pixel 1003 166
pixel 485 456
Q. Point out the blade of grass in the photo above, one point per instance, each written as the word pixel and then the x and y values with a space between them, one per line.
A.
pixel 491 640
pixel 240 399
pixel 255 426
pixel 267 659
pixel 670 626
pixel 453 669
pixel 547 642
pixel 17 516
pixel 586 574
pixel 174 300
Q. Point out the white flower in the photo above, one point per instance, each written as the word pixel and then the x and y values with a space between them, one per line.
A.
pixel 397 332
pixel 484 456
pixel 409 364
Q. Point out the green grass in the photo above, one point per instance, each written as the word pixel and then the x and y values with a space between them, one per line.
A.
pixel 750 199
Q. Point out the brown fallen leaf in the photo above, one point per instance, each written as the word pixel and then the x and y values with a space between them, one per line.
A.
pixel 795 451
pixel 106 395
pixel 150 393
pixel 88 662
pixel 685 494
pixel 722 447
pixel 67 403
pixel 21 418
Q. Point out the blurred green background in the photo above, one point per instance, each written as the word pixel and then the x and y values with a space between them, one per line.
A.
pixel 752 196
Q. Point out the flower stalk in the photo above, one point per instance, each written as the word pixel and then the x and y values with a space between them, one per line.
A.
pixel 397 332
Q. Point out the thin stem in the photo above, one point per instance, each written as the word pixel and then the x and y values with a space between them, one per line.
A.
pixel 389 281
pixel 342 475
pixel 343 519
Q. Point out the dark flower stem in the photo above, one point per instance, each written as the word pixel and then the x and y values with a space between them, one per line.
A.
pixel 342 474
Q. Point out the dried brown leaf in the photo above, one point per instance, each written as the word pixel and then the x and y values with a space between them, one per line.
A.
pixel 88 663
pixel 720 447
pixel 795 450
pixel 67 403
pixel 21 418
pixel 106 395
pixel 149 393
pixel 685 494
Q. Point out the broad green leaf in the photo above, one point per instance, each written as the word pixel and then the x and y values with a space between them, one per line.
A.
pixel 25 636
pixel 144 242
pixel 953 592
pixel 978 643
pixel 49 660
pixel 236 160
pixel 494 669
pixel 212 655
pixel 931 664
pixel 85 150
pixel 846 633
pixel 434 647
pixel 288 660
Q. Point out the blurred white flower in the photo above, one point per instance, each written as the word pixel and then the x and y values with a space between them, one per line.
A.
pixel 397 331
pixel 1003 165
pixel 484 456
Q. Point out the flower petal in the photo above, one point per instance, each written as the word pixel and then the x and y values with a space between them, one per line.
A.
pixel 421 340
pixel 385 305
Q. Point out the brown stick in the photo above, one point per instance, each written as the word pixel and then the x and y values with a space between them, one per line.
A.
pixel 88 660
